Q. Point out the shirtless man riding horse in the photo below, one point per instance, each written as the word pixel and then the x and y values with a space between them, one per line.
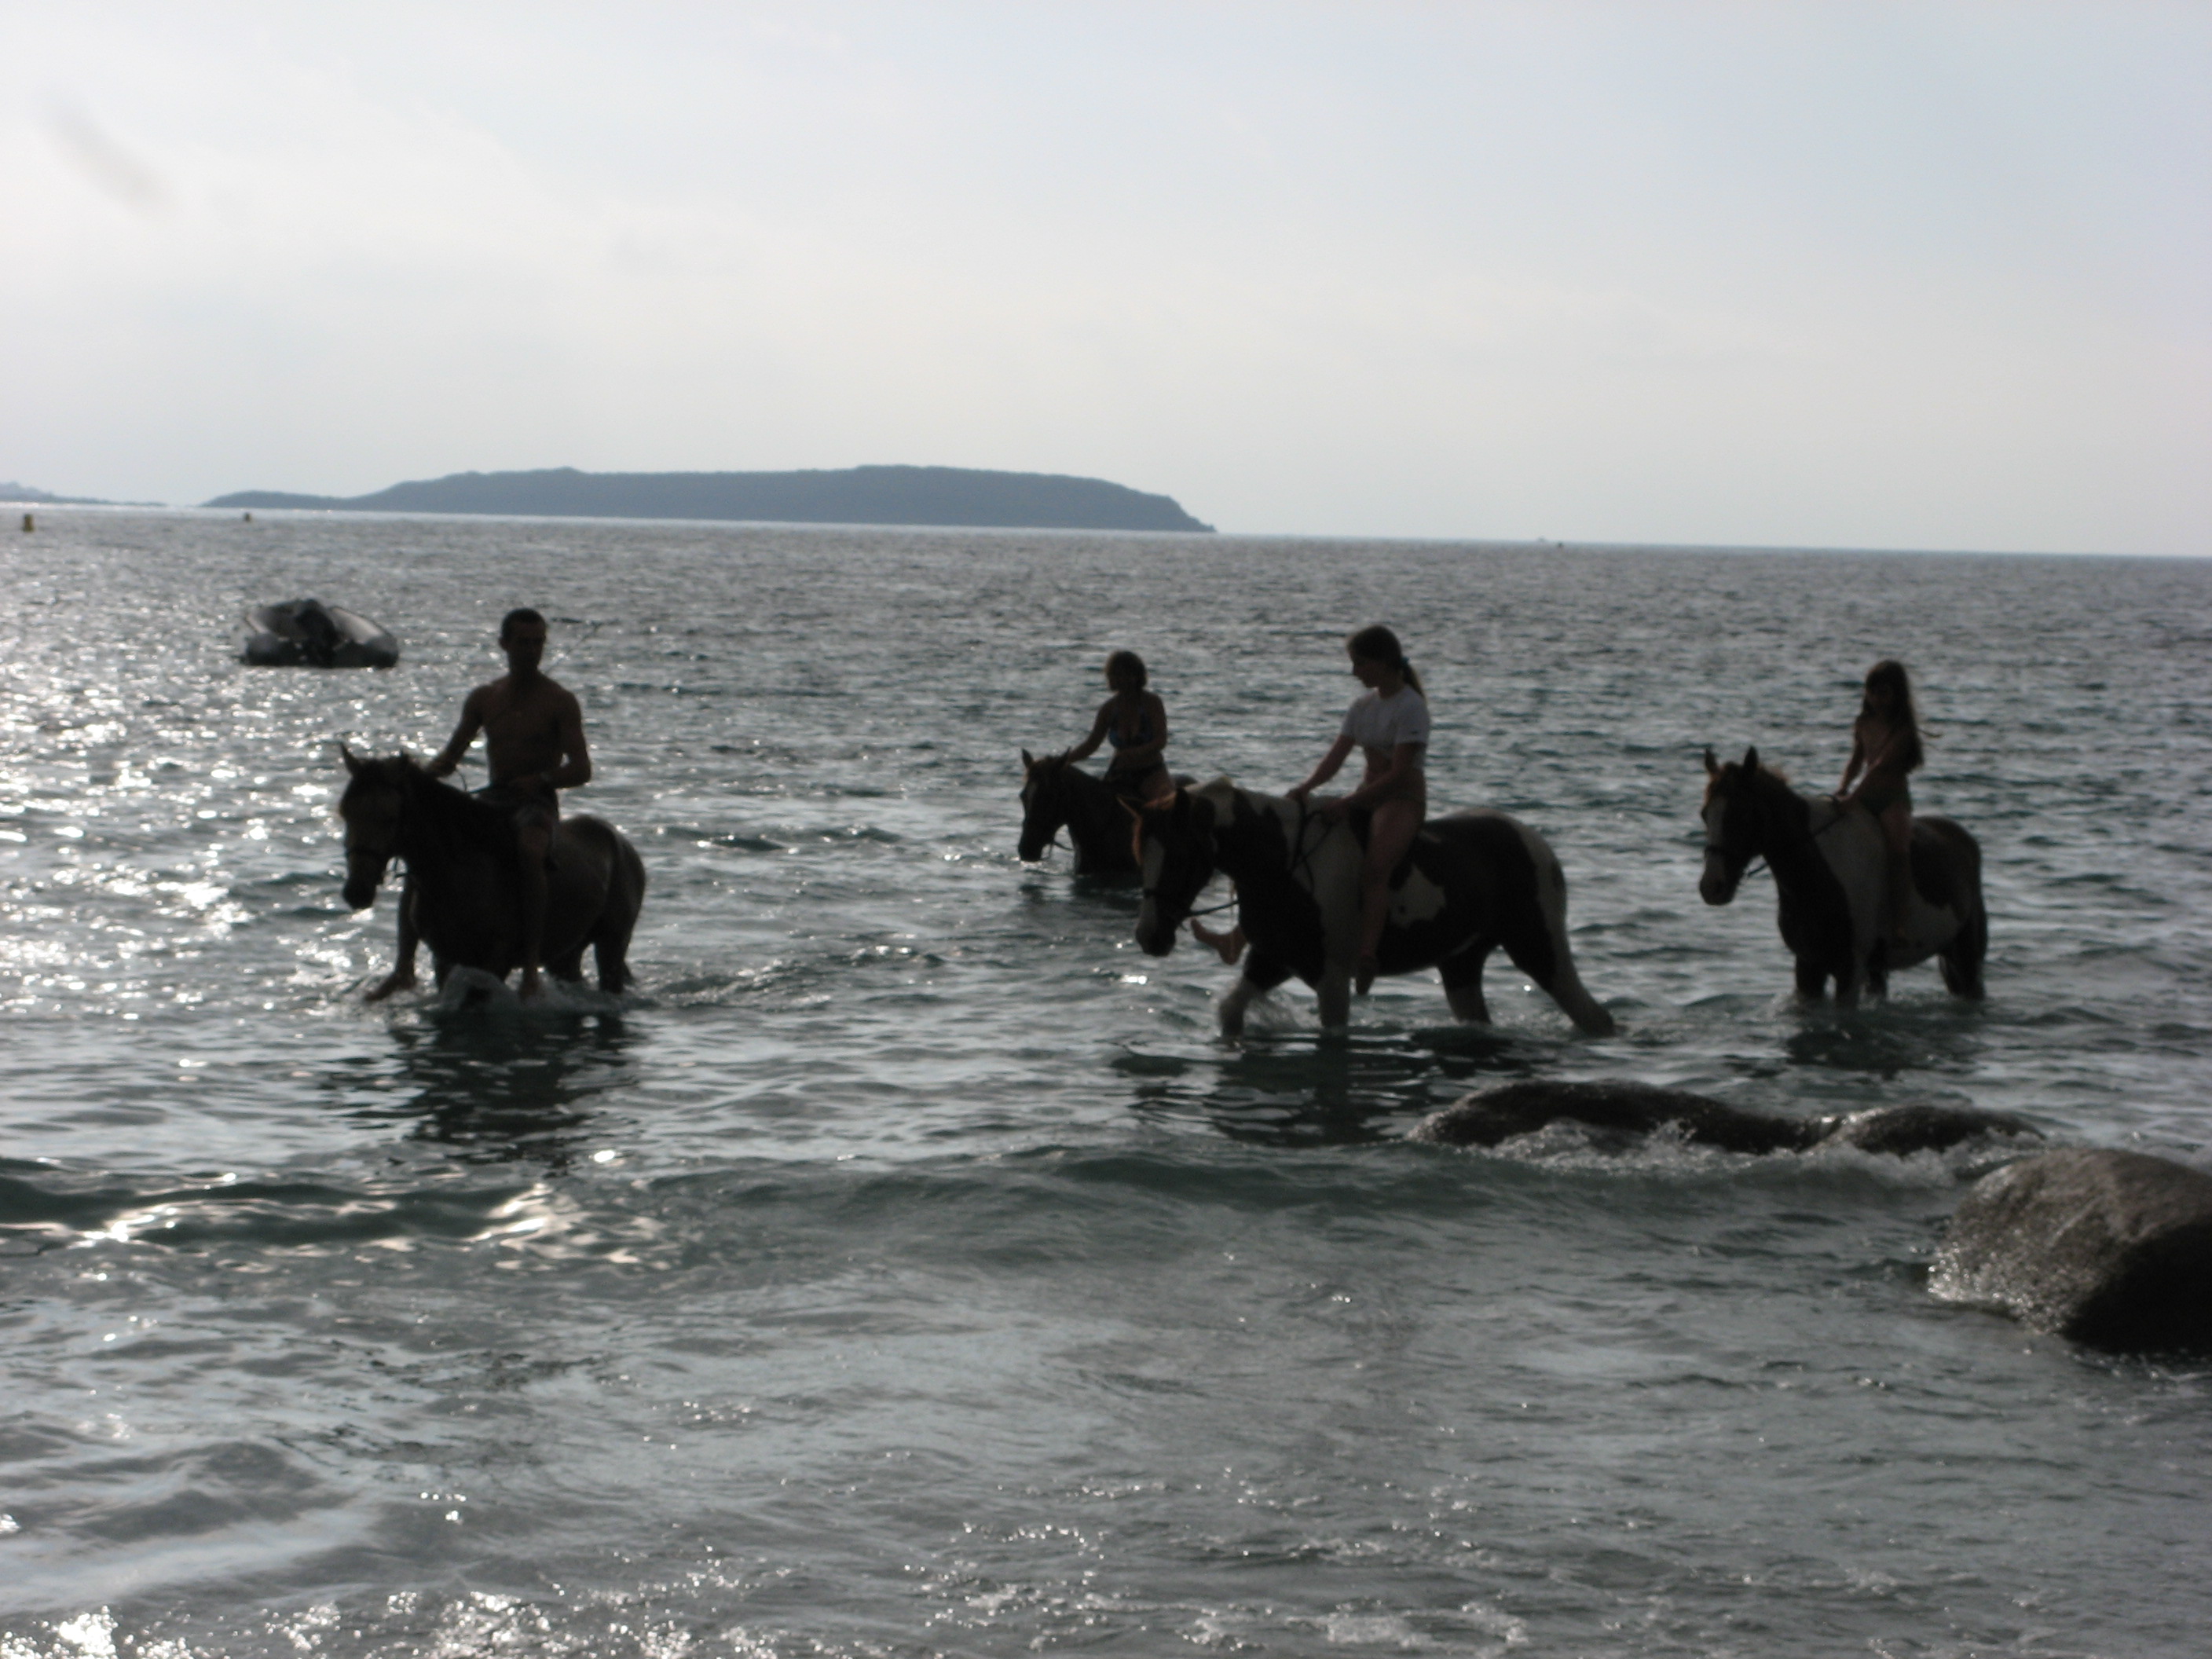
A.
pixel 533 734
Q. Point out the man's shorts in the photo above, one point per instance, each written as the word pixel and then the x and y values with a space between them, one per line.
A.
pixel 525 808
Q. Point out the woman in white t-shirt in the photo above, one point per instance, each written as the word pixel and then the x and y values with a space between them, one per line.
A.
pixel 1390 727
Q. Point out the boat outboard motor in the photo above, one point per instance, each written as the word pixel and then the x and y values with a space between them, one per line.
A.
pixel 319 633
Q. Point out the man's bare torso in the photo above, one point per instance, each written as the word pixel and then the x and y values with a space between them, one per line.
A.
pixel 523 727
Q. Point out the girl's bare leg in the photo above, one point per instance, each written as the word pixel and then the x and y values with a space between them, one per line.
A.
pixel 1389 833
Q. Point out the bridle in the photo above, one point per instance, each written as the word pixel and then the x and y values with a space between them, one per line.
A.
pixel 1301 860
pixel 1760 861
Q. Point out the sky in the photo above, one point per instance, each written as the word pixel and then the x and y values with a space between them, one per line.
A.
pixel 1924 275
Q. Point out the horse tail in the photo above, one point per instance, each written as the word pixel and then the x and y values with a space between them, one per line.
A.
pixel 1961 960
pixel 620 901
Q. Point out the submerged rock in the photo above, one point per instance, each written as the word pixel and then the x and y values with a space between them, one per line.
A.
pixel 2109 1249
pixel 1902 1130
pixel 1491 1115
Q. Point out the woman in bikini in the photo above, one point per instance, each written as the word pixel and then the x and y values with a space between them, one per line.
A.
pixel 1389 726
pixel 1885 748
pixel 1135 722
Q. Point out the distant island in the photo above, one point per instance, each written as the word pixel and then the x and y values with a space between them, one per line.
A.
pixel 930 496
pixel 17 494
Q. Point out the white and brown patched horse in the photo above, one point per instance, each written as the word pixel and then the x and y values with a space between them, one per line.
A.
pixel 1473 882
pixel 1830 874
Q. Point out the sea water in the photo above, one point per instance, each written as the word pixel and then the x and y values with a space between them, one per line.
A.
pixel 906 1267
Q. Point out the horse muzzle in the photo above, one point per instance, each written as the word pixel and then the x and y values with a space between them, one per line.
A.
pixel 363 878
pixel 1154 937
pixel 1718 884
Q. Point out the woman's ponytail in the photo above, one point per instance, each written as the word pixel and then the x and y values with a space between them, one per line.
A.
pixel 1379 644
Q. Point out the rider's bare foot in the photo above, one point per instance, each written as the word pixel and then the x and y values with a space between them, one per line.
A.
pixel 1228 945
pixel 388 985
pixel 1363 978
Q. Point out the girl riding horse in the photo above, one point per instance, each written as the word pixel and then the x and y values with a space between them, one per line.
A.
pixel 1390 727
pixel 1135 721
pixel 1885 748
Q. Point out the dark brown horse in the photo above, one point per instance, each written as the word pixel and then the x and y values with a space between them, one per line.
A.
pixel 461 877
pixel 1057 795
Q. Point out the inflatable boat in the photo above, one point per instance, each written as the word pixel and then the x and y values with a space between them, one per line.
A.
pixel 308 634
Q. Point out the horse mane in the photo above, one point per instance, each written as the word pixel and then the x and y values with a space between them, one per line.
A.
pixel 1731 770
pixel 453 815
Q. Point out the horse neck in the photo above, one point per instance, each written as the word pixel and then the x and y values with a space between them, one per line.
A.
pixel 1786 831
pixel 1093 810
pixel 439 829
pixel 1241 851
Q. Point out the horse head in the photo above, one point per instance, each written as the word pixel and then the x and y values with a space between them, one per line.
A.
pixel 1734 823
pixel 1175 849
pixel 372 808
pixel 1044 810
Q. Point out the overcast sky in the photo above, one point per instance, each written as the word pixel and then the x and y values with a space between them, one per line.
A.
pixel 1922 275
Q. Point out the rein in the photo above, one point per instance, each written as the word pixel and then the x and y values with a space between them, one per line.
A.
pixel 1302 858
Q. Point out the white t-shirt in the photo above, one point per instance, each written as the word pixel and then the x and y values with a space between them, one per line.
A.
pixel 1379 722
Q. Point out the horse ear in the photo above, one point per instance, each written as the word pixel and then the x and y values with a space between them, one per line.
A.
pixel 1751 760
pixel 353 762
pixel 1712 766
pixel 1029 761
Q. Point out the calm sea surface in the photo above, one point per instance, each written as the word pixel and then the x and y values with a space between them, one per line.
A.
pixel 906 1268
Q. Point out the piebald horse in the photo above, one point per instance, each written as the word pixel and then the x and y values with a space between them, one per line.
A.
pixel 461 879
pixel 1473 882
pixel 1830 875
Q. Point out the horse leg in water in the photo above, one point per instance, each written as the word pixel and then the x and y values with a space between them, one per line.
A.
pixel 613 965
pixel 1847 984
pixel 1812 980
pixel 1333 994
pixel 402 977
pixel 1262 974
pixel 533 841
pixel 1961 959
pixel 1462 976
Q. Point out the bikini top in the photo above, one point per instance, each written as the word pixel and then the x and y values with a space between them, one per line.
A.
pixel 1137 739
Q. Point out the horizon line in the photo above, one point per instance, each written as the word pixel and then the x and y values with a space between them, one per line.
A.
pixel 1216 535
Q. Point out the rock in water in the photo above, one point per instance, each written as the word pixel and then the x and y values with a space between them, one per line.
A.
pixel 2112 1250
pixel 1900 1130
pixel 1491 1115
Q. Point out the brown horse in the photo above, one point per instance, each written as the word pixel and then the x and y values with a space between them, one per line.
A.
pixel 461 879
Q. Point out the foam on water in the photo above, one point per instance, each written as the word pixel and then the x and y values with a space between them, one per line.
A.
pixel 904 1267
